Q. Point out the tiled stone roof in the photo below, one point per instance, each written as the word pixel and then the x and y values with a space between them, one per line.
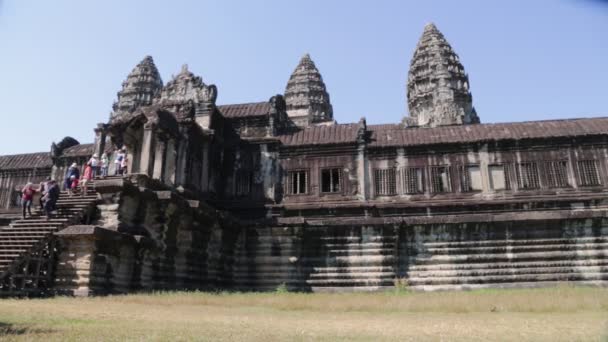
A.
pixel 81 150
pixel 321 135
pixel 396 135
pixel 26 161
pixel 243 110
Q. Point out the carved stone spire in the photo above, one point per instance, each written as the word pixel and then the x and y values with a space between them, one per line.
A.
pixel 438 87
pixel 140 87
pixel 306 96
pixel 187 87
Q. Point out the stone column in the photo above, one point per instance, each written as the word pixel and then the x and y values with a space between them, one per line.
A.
pixel 205 168
pixel 100 139
pixel 182 160
pixel 170 160
pixel 268 171
pixel 362 173
pixel 147 157
pixel 159 159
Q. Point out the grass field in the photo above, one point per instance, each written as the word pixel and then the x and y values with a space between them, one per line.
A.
pixel 551 314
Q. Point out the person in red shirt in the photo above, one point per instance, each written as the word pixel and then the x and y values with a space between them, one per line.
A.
pixel 27 196
pixel 73 185
pixel 87 176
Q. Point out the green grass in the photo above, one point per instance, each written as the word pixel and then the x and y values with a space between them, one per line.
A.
pixel 550 314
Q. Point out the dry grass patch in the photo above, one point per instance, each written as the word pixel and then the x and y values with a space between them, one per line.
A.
pixel 562 313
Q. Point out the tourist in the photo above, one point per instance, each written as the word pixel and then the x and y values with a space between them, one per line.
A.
pixel 123 164
pixel 50 198
pixel 119 157
pixel 71 174
pixel 27 196
pixel 103 164
pixel 87 176
pixel 42 189
pixel 94 163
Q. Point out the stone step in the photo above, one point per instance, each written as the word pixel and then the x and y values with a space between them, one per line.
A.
pixel 350 282
pixel 535 284
pixel 515 257
pixel 327 253
pixel 438 275
pixel 353 275
pixel 18 241
pixel 312 261
pixel 30 229
pixel 508 265
pixel 21 235
pixel 42 223
pixel 512 242
pixel 284 268
pixel 41 220
pixel 509 278
pixel 517 249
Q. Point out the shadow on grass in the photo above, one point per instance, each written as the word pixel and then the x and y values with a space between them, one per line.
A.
pixel 8 329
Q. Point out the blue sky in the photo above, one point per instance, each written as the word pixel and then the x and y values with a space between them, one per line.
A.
pixel 62 62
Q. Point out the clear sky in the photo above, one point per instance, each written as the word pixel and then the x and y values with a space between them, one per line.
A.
pixel 62 62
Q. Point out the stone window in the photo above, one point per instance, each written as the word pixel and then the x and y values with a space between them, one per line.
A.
pixel 297 182
pixel 384 182
pixel 587 173
pixel 499 177
pixel 440 179
pixel 243 182
pixel 527 176
pixel 556 174
pixel 331 180
pixel 470 178
pixel 413 180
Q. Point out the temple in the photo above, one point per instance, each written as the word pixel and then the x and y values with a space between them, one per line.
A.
pixel 253 196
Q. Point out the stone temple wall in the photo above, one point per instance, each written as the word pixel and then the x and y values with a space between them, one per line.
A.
pixel 147 239
pixel 143 239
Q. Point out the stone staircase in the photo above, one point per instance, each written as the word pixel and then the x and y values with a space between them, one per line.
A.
pixel 509 263
pixel 321 261
pixel 354 263
pixel 27 245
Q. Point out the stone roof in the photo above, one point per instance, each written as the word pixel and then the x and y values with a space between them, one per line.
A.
pixel 322 135
pixel 387 135
pixel 397 135
pixel 80 150
pixel 243 110
pixel 26 161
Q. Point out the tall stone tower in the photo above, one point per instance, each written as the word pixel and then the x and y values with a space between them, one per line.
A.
pixel 140 87
pixel 438 87
pixel 306 97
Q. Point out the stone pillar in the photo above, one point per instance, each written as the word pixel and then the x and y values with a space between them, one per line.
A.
pixel 362 173
pixel 159 159
pixel 100 139
pixel 182 160
pixel 170 160
pixel 147 153
pixel 268 171
pixel 205 168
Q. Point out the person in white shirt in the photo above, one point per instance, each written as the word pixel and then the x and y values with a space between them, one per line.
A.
pixel 94 163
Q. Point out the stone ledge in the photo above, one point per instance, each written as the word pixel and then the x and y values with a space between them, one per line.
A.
pixel 441 219
pixel 93 233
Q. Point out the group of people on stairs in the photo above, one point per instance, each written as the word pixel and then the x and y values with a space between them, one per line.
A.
pixel 49 191
pixel 73 182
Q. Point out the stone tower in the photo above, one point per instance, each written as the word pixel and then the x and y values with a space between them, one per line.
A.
pixel 438 87
pixel 306 97
pixel 140 87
